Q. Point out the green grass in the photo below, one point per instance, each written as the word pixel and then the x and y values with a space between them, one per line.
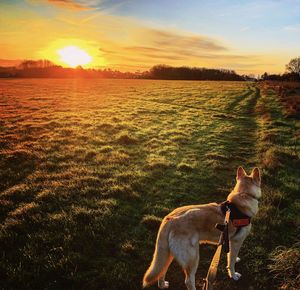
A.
pixel 88 168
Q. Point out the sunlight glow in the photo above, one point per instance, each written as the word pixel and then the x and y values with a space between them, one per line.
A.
pixel 74 56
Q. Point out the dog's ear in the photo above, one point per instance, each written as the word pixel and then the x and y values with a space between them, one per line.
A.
pixel 255 174
pixel 240 173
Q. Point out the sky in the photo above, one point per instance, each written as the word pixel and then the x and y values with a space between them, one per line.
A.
pixel 129 35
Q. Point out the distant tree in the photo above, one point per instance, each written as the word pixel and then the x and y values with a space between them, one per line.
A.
pixel 42 63
pixel 26 64
pixel 264 76
pixel 294 66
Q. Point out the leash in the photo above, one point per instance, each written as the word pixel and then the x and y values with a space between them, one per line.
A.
pixel 223 241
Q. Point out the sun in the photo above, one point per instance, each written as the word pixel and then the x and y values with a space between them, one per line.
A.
pixel 74 56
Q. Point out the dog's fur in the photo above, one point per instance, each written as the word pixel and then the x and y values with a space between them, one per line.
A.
pixel 184 228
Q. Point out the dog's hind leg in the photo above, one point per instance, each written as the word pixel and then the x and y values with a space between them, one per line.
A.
pixel 191 269
pixel 162 283
pixel 186 252
pixel 190 278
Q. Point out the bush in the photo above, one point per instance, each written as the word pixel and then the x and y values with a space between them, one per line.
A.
pixel 286 266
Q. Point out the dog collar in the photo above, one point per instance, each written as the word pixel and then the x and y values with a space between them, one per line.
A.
pixel 249 194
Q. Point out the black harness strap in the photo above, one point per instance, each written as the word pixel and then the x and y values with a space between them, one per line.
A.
pixel 223 241
pixel 237 218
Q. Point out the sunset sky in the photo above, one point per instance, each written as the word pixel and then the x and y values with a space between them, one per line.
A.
pixel 247 36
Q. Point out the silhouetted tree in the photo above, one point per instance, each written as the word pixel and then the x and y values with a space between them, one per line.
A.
pixel 26 64
pixel 42 63
pixel 264 76
pixel 294 66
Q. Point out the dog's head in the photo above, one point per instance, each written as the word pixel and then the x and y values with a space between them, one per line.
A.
pixel 249 184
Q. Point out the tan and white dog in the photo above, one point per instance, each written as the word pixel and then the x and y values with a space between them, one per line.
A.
pixel 183 229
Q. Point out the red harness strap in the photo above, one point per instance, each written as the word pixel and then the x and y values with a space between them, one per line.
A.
pixel 240 222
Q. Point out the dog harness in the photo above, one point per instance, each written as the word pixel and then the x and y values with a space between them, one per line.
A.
pixel 237 218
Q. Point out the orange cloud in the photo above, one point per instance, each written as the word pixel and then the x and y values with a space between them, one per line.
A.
pixel 82 5
pixel 189 42
pixel 144 47
pixel 66 4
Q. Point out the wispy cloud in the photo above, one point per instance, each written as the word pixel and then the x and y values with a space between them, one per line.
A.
pixel 246 28
pixel 292 28
pixel 82 5
pixel 171 39
pixel 69 4
pixel 142 44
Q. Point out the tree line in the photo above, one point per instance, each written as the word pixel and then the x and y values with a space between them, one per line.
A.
pixel 47 69
pixel 192 73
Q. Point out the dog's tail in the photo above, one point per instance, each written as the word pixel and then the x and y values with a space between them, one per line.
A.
pixel 161 257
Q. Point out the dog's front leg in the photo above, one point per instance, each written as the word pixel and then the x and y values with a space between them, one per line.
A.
pixel 235 244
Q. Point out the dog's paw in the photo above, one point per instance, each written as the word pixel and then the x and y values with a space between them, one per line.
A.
pixel 163 285
pixel 237 259
pixel 235 276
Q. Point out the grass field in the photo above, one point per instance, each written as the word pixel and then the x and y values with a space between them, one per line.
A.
pixel 88 168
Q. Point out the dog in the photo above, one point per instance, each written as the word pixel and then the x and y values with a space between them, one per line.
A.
pixel 186 227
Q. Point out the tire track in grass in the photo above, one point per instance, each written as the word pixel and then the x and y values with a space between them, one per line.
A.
pixel 232 142
pixel 239 102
